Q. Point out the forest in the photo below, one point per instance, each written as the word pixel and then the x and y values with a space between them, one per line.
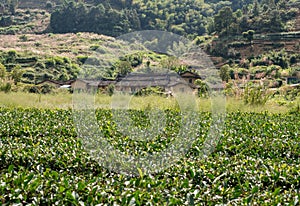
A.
pixel 184 17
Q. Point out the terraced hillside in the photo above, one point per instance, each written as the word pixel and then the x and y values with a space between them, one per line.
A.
pixel 25 21
pixel 44 56
pixel 65 45
pixel 34 4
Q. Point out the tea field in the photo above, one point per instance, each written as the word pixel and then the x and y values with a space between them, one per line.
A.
pixel 43 162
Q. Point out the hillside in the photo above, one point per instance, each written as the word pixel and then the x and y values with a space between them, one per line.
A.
pixel 61 56
pixel 297 22
pixel 237 48
pixel 24 21
pixel 36 4
pixel 29 35
pixel 49 56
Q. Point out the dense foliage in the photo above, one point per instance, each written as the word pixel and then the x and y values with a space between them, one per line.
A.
pixel 187 17
pixel 78 17
pixel 42 162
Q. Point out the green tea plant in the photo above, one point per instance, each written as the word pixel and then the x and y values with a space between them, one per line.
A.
pixel 43 162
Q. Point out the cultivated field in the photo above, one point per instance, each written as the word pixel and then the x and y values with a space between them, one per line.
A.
pixel 43 162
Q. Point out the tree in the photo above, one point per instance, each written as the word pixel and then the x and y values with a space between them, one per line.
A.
pixel 110 89
pixel 64 77
pixel 49 5
pixel 276 21
pixel 170 63
pixel 255 95
pixel 11 56
pixel 256 9
pixel 124 67
pixel 271 4
pixel 249 35
pixel 224 73
pixel 2 8
pixel 224 19
pixel 6 21
pixel 293 59
pixel 282 4
pixel 13 4
pixel 2 71
pixel 244 23
pixel 202 89
pixel 16 74
pixel 210 26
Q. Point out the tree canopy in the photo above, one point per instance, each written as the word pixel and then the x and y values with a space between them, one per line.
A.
pixel 184 17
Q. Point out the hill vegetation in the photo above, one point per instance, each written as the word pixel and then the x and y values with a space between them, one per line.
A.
pixel 190 18
pixel 253 39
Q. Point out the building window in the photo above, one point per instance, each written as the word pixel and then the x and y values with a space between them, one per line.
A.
pixel 181 89
pixel 191 81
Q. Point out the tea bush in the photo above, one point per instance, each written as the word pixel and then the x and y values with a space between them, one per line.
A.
pixel 42 162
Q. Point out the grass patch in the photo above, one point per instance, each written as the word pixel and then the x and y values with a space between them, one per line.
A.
pixel 29 100
pixel 63 100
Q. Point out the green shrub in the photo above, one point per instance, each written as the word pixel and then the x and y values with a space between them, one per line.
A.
pixel 82 59
pixel 110 89
pixel 59 60
pixel 224 73
pixel 6 21
pixel 66 60
pixel 29 74
pixel 203 88
pixel 5 87
pixel 47 88
pixel 31 89
pixel 12 31
pixel 40 65
pixel 255 95
pixel 17 73
pixel 295 110
pixel 2 71
pixel 37 44
pixel 293 59
pixel 50 62
pixel 12 53
pixel 94 47
pixel 149 91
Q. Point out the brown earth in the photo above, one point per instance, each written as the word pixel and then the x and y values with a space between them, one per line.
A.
pixel 297 23
pixel 258 47
pixel 65 45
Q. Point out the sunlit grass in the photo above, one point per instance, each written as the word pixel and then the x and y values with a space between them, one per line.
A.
pixel 28 100
pixel 63 100
pixel 236 104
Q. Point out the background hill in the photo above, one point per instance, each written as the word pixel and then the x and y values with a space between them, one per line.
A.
pixel 184 17
pixel 48 38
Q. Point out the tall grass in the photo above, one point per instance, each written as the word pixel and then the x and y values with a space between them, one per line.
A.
pixel 20 99
pixel 64 100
